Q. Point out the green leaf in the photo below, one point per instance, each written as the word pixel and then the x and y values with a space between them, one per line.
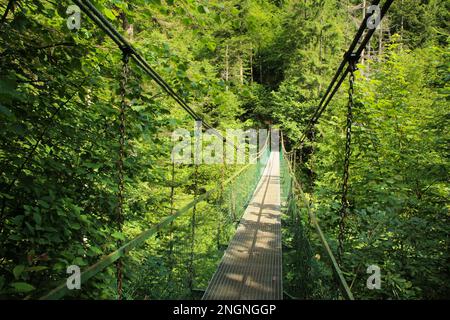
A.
pixel 37 218
pixel 211 45
pixel 6 112
pixel 79 261
pixel 156 2
pixel 84 218
pixel 118 235
pixel 7 196
pixel 18 270
pixel 109 14
pixel 187 21
pixel 17 220
pixel 43 204
pixel 37 268
pixel 22 287
pixel 202 9
pixel 15 237
pixel 75 226
pixel 95 250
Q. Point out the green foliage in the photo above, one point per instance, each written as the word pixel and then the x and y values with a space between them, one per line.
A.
pixel 399 175
pixel 399 182
pixel 240 64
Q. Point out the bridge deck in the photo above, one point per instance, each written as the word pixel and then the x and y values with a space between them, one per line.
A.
pixel 251 265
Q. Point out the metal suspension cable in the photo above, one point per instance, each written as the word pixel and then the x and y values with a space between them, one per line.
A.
pixel 96 16
pixel 345 178
pixel 353 57
pixel 344 61
pixel 106 26
pixel 349 56
pixel 369 34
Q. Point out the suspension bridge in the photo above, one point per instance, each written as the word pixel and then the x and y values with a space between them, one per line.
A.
pixel 257 195
pixel 251 266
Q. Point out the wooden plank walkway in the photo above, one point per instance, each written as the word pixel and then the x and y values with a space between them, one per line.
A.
pixel 251 265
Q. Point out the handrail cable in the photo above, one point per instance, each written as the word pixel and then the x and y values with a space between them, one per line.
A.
pixel 344 286
pixel 61 290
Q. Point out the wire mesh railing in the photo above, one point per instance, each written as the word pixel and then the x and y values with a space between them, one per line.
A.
pixel 308 276
pixel 177 256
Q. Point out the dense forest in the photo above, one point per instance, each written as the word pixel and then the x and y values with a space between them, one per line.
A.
pixel 240 64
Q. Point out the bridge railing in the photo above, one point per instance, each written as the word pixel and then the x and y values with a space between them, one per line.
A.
pixel 224 205
pixel 292 194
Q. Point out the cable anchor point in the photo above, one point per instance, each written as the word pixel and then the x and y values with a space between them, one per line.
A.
pixel 352 59
pixel 126 53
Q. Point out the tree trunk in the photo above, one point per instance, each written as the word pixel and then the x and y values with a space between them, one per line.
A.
pixel 241 64
pixel 251 64
pixel 241 70
pixel 380 45
pixel 260 70
pixel 320 41
pixel 127 27
pixel 401 25
pixel 227 71
pixel 363 16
